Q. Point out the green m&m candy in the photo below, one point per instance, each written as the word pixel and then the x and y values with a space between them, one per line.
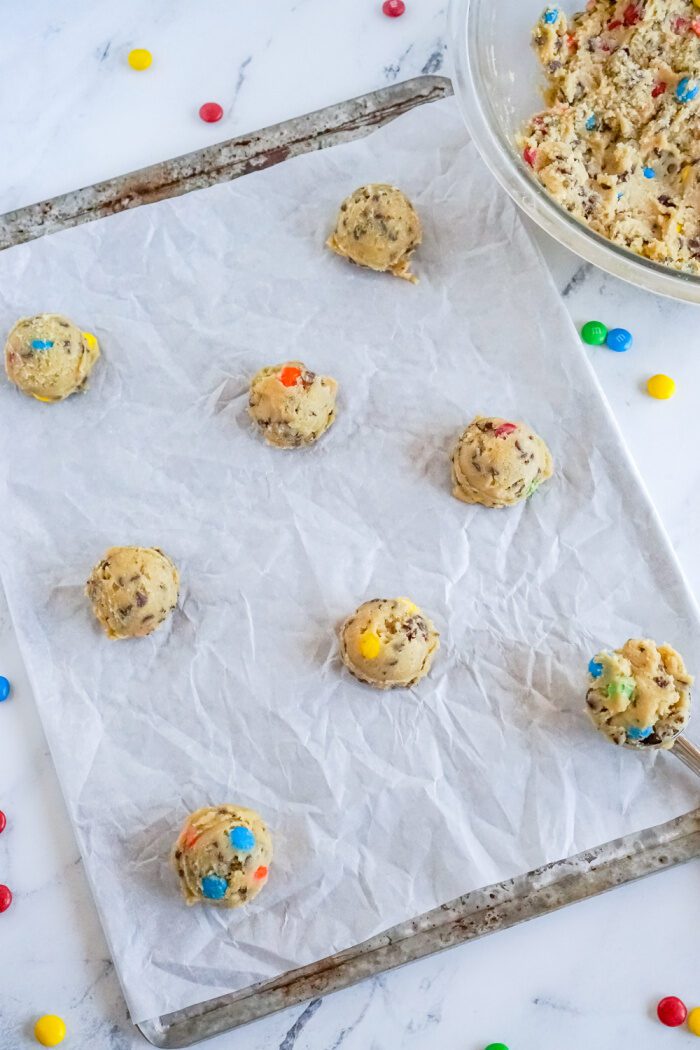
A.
pixel 594 333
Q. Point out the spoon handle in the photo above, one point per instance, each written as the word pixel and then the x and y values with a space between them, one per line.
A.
pixel 688 753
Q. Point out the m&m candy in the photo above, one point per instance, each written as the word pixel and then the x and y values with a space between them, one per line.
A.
pixel 635 733
pixel 505 429
pixel 140 58
pixel 370 645
pixel 50 1030
pixel 619 340
pixel 595 668
pixel 210 112
pixel 3 821
pixel 241 838
pixel 214 887
pixel 5 897
pixel 393 8
pixel 594 333
pixel 661 387
pixel 648 173
pixel 687 89
pixel 694 1020
pixel 550 15
pixel 4 688
pixel 496 1046
pixel 91 340
pixel 289 375
pixel 671 1011
pixel 261 872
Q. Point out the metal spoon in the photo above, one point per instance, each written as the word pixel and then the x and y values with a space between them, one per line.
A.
pixel 687 753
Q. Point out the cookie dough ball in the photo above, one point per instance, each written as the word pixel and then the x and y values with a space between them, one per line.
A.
pixel 132 590
pixel 639 695
pixel 222 856
pixel 378 227
pixel 497 463
pixel 388 642
pixel 291 405
pixel 48 357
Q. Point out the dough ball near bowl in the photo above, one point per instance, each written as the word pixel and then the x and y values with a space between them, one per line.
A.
pixel 222 856
pixel 497 463
pixel 48 357
pixel 378 227
pixel 133 590
pixel 388 642
pixel 290 405
pixel 639 696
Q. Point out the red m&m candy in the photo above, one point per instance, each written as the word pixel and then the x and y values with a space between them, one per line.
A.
pixel 672 1011
pixel 210 112
pixel 5 897
pixel 505 429
pixel 3 821
pixel 393 8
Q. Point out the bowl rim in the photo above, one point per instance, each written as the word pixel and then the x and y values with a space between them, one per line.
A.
pixel 509 169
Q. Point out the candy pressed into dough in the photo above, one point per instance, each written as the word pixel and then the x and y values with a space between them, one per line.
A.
pixel 639 695
pixel 617 144
pixel 497 463
pixel 222 856
pixel 133 590
pixel 49 358
pixel 291 405
pixel 378 227
pixel 388 642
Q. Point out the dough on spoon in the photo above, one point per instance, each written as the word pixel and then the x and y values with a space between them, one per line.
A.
pixel 378 227
pixel 133 590
pixel 388 642
pixel 49 358
pixel 639 695
pixel 291 405
pixel 222 856
pixel 497 463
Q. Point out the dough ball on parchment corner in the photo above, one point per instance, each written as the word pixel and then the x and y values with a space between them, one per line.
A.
pixel 49 358
pixel 378 227
pixel 222 856
pixel 133 590
pixel 291 405
pixel 388 642
pixel 497 463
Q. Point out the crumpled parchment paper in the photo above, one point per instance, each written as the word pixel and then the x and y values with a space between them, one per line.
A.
pixel 381 805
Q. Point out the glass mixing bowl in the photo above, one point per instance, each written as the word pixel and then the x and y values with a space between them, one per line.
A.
pixel 496 77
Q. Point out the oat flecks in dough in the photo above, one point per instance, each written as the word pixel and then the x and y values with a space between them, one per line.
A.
pixel 616 147
pixel 388 642
pixel 48 357
pixel 639 695
pixel 133 590
pixel 291 405
pixel 498 463
pixel 222 856
pixel 378 227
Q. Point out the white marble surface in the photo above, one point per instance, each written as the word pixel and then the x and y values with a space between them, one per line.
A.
pixel 585 977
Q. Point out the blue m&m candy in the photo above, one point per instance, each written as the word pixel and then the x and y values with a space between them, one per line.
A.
pixel 687 89
pixel 648 173
pixel 4 688
pixel 635 733
pixel 618 339
pixel 214 887
pixel 590 122
pixel 241 838
pixel 42 344
pixel 595 669
pixel 550 15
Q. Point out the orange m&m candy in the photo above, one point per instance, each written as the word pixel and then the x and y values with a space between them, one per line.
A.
pixel 289 375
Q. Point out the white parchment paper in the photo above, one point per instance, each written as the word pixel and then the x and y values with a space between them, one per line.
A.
pixel 381 805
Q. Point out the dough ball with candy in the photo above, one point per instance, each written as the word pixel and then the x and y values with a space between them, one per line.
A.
pixel 498 463
pixel 291 405
pixel 639 696
pixel 388 642
pixel 222 856
pixel 133 590
pixel 49 358
pixel 378 227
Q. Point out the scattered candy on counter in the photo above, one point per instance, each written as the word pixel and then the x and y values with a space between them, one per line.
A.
pixel 687 90
pixel 242 838
pixel 210 112
pixel 504 430
pixel 661 387
pixel 619 340
pixel 393 8
pixel 3 822
pixel 672 1011
pixel 4 688
pixel 50 1030
pixel 694 1020
pixel 370 645
pixel 289 375
pixel 214 887
pixel 5 897
pixel 594 333
pixel 550 15
pixel 139 58
pixel 595 669
pixel 648 173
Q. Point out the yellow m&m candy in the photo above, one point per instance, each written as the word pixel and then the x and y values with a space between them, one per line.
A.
pixel 694 1021
pixel 661 387
pixel 50 1030
pixel 91 340
pixel 370 646
pixel 140 58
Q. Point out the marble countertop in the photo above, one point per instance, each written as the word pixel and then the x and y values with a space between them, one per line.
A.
pixel 587 976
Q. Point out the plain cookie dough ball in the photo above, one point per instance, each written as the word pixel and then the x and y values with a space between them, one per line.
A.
pixel 378 227
pixel 639 695
pixel 132 590
pixel 497 463
pixel 222 856
pixel 291 405
pixel 388 642
pixel 48 357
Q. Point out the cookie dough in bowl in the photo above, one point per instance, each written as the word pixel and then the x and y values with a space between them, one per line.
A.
pixel 388 642
pixel 222 856
pixel 639 696
pixel 378 227
pixel 616 145
pixel 291 405
pixel 49 358
pixel 133 590
pixel 498 463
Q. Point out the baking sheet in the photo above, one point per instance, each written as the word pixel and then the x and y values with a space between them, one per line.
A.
pixel 381 805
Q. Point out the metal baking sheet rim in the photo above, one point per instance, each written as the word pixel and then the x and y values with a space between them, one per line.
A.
pixel 483 911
